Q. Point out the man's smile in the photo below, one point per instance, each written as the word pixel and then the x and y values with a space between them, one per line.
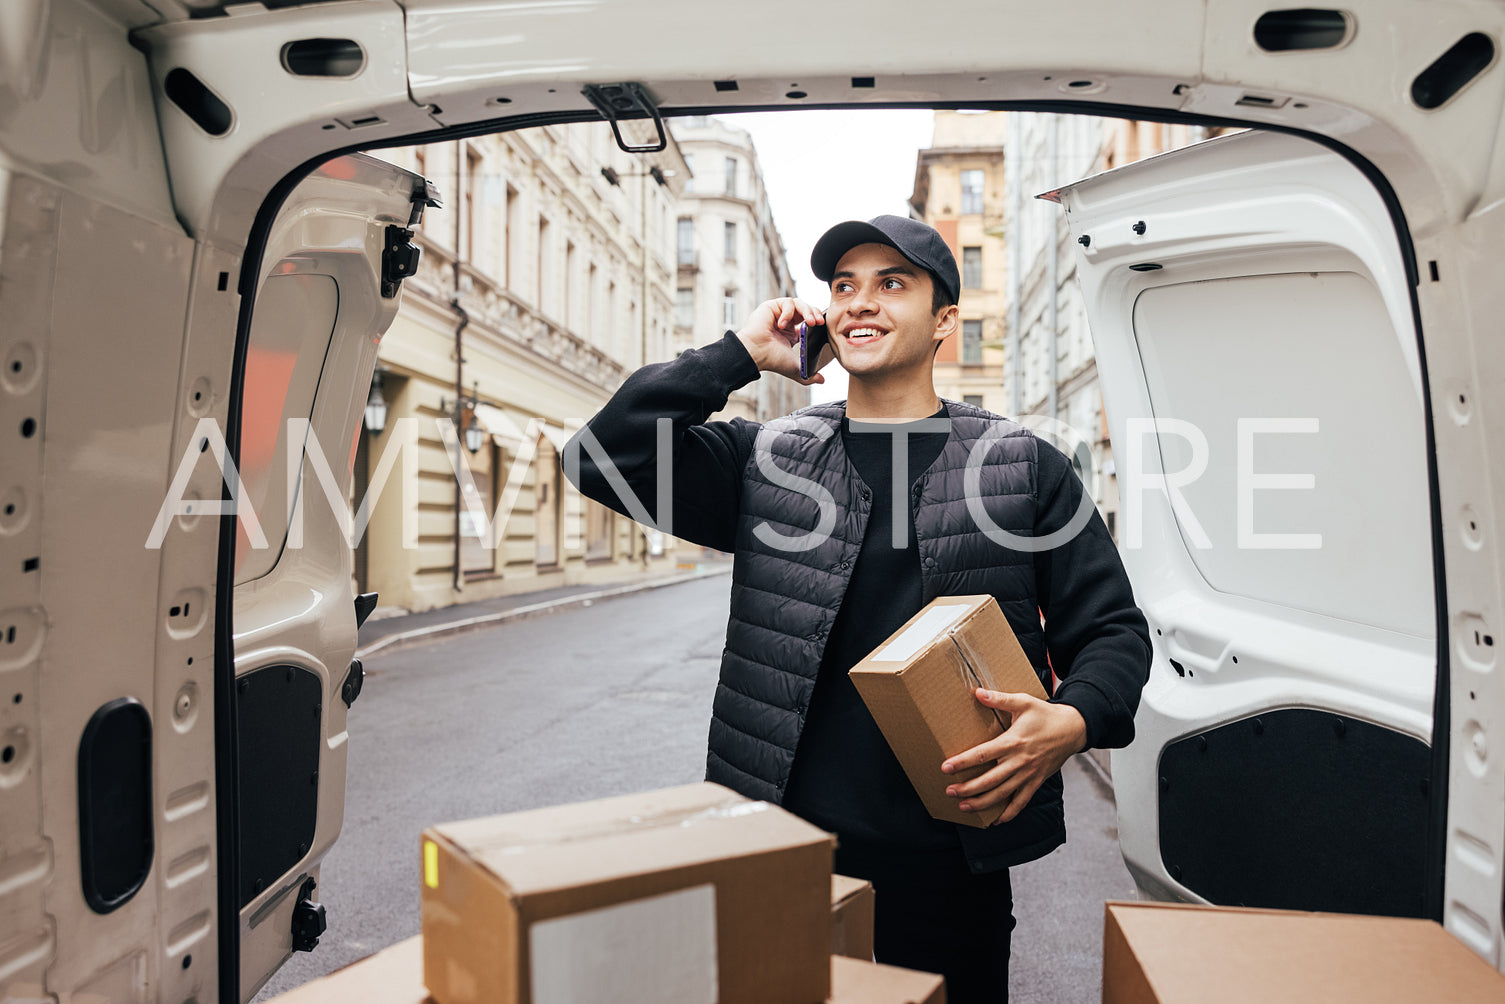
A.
pixel 863 335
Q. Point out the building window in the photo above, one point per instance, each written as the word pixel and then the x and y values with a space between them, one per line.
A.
pixel 540 266
pixel 684 308
pixel 975 400
pixel 600 523
pixel 685 236
pixel 971 192
pixel 729 239
pixel 475 177
pixel 569 312
pixel 546 493
pixel 729 310
pixel 509 273
pixel 972 342
pixel 475 556
pixel 972 268
pixel 731 176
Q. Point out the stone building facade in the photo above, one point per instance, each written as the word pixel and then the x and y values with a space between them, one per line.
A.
pixel 729 254
pixel 547 276
pixel 959 189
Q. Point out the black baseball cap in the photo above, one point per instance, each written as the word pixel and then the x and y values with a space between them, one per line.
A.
pixel 919 242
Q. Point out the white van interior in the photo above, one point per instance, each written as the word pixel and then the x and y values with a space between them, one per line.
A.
pixel 192 243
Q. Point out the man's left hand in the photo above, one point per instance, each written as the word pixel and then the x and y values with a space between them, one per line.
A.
pixel 1040 738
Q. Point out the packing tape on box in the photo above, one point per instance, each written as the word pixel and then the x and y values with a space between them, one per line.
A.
pixel 969 656
pixel 520 843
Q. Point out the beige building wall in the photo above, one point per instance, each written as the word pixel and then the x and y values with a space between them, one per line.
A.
pixel 959 189
pixel 730 255
pixel 564 284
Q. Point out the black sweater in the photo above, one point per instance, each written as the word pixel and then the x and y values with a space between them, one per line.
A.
pixel 844 775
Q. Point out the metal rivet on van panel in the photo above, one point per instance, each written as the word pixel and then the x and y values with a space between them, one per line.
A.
pixel 20 372
pixel 1459 403
pixel 1085 240
pixel 185 708
pixel 12 511
pixel 1477 750
pixel 1469 525
pixel 200 396
pixel 1139 228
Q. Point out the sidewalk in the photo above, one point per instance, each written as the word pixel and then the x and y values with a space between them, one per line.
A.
pixel 381 633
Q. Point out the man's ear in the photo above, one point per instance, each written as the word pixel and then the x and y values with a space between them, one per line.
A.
pixel 947 323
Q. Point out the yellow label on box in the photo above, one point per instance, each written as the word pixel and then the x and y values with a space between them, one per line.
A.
pixel 431 864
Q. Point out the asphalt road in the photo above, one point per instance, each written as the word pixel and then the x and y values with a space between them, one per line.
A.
pixel 605 700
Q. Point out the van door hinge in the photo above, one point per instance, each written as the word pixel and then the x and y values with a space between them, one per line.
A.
pixel 425 196
pixel 399 259
pixel 630 100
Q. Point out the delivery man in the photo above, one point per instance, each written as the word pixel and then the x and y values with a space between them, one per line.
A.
pixel 845 520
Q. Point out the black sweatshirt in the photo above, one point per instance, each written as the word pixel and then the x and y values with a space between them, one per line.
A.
pixel 844 775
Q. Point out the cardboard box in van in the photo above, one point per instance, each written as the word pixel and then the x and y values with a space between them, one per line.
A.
pixel 395 976
pixel 689 894
pixel 1173 953
pixel 853 909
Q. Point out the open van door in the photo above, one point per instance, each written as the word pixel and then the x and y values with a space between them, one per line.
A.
pixel 1260 368
pixel 328 287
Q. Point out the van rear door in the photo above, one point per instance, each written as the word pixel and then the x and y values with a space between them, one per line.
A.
pixel 327 288
pixel 1261 372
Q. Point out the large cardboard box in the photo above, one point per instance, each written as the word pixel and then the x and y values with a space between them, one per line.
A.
pixel 919 685
pixel 394 976
pixel 681 896
pixel 1165 953
pixel 857 982
pixel 853 910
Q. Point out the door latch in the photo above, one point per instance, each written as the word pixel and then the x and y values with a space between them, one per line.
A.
pixel 614 101
pixel 399 259
pixel 354 680
pixel 308 919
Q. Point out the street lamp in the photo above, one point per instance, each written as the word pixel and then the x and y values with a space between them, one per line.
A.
pixel 474 435
pixel 376 405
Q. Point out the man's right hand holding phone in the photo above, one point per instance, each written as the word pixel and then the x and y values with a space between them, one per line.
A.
pixel 771 337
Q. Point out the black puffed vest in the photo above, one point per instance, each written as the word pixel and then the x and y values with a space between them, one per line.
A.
pixel 791 572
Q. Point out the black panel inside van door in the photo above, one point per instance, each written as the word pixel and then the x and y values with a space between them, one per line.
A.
pixel 1298 809
pixel 279 711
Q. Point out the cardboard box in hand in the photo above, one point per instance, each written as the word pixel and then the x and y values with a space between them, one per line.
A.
pixel 919 686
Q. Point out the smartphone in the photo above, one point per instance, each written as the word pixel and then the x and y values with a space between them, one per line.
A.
pixel 813 340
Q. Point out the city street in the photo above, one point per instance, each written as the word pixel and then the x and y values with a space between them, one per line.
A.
pixel 604 700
